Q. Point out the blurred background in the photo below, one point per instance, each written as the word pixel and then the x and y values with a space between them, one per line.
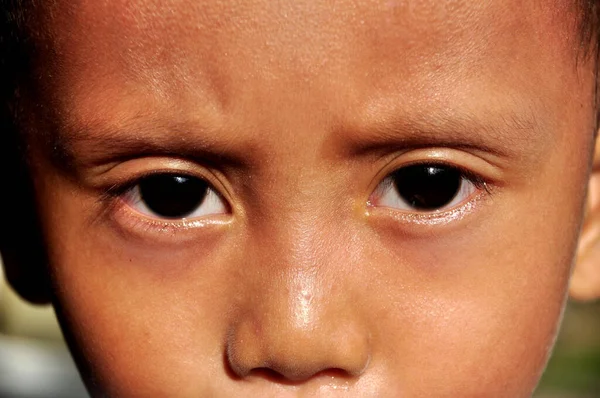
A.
pixel 34 360
pixel 35 363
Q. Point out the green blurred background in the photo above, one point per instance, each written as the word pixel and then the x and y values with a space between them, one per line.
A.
pixel 32 349
pixel 574 369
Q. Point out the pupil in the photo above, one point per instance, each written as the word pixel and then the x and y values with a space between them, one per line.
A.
pixel 427 187
pixel 172 196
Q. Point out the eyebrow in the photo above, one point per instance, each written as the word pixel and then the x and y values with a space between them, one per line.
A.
pixel 506 134
pixel 94 145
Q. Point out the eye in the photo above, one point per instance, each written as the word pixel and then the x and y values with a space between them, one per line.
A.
pixel 175 196
pixel 426 188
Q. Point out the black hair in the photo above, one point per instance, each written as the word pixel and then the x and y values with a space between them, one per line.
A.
pixel 21 242
pixel 589 25
pixel 589 31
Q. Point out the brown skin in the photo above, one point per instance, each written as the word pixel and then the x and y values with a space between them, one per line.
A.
pixel 308 283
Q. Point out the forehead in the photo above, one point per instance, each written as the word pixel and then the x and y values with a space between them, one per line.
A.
pixel 330 60
pixel 206 43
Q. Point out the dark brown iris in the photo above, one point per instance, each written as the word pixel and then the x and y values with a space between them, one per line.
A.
pixel 427 187
pixel 171 195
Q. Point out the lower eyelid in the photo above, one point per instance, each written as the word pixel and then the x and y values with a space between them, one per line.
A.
pixel 432 219
pixel 131 224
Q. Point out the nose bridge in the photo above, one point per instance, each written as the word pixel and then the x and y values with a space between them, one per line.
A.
pixel 300 321
pixel 309 255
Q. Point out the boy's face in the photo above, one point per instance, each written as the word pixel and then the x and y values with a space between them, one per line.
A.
pixel 394 193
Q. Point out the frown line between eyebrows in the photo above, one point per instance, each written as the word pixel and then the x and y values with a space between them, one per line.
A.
pixel 507 135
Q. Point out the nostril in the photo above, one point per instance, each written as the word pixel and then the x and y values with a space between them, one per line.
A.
pixel 334 373
pixel 294 377
pixel 267 374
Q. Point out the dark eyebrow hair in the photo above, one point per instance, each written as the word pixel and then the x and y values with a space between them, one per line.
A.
pixel 17 44
pixel 79 146
pixel 507 134
pixel 92 145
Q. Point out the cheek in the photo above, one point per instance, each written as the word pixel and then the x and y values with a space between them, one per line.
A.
pixel 141 330
pixel 439 309
pixel 142 319
pixel 485 315
pixel 471 311
pixel 482 302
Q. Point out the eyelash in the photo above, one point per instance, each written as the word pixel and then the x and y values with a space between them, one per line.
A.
pixel 477 180
pixel 116 197
pixel 482 186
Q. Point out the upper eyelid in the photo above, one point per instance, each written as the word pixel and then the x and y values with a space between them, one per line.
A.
pixel 474 167
pixel 479 180
pixel 471 175
pixel 127 185
pixel 112 186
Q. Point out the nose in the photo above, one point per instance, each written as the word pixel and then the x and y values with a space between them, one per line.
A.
pixel 297 331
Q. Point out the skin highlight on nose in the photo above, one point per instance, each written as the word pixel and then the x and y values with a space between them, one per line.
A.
pixel 297 333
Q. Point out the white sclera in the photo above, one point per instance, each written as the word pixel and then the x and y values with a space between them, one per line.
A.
pixel 388 196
